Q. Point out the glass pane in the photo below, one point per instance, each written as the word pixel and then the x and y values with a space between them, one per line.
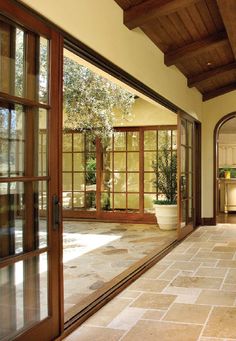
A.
pixel 107 161
pixel 12 142
pixel 79 181
pixel 40 208
pixel 19 63
pixel 106 202
pixel 190 185
pixel 133 140
pixel 164 139
pixel 190 210
pixel 150 140
pixel 190 165
pixel 106 181
pixel 91 162
pixel 148 203
pixel 78 162
pixel 90 143
pixel 119 182
pixel 119 161
pixel 42 162
pixel 133 202
pixel 183 159
pixel 5 62
pixel 78 142
pixel 78 200
pixel 174 139
pixel 67 142
pixel 119 201
pixel 183 132
pixel 67 162
pixel 24 295
pixel 43 69
pixel 183 214
pixel 149 158
pixel 67 200
pixel 133 182
pixel 183 186
pixel 120 141
pixel 67 182
pixel 133 162
pixel 190 134
pixel 90 200
pixel 149 186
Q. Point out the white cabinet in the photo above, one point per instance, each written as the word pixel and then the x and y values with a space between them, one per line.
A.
pixel 227 155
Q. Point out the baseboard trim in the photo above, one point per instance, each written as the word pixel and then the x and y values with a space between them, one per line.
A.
pixel 209 221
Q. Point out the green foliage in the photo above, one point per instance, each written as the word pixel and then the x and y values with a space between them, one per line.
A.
pixel 90 100
pixel 91 172
pixel 165 168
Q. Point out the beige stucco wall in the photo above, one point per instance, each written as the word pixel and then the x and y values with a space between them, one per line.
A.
pixel 213 111
pixel 99 24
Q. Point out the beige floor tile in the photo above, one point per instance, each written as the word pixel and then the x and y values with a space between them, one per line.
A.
pixel 216 297
pixel 189 313
pixel 153 314
pixel 221 323
pixel 92 333
pixel 185 265
pixel 153 301
pixel 107 313
pixel 229 287
pixel 154 273
pixel 226 264
pixel 211 339
pixel 224 249
pixel 197 282
pixel 214 255
pixel 129 294
pixel 231 277
pixel 211 272
pixel 163 331
pixel 127 318
pixel 169 275
pixel 179 257
pixel 143 284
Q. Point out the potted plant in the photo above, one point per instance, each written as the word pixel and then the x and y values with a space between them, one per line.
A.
pixel 165 167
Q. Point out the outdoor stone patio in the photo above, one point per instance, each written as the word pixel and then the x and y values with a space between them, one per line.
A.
pixel 189 295
pixel 94 253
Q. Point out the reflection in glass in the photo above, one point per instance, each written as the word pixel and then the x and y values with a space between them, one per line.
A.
pixel 133 182
pixel 107 161
pixel 164 139
pixel 78 162
pixel 183 214
pixel 148 182
pixel 132 161
pixel 78 200
pixel 148 203
pixel 149 158
pixel 24 295
pixel 190 134
pixel 67 162
pixel 119 182
pixel 67 182
pixel 183 132
pixel 67 142
pixel 19 63
pixel 183 159
pixel 90 200
pixel 133 140
pixel 106 202
pixel 79 181
pixel 190 210
pixel 133 202
pixel 174 139
pixel 183 186
pixel 78 142
pixel 119 161
pixel 150 140
pixel 107 181
pixel 119 201
pixel 120 141
pixel 43 69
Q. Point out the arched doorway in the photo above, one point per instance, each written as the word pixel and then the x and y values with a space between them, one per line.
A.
pixel 225 169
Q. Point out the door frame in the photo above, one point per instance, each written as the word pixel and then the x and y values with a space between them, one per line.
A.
pixel 218 126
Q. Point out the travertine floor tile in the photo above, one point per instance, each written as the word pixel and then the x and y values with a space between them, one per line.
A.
pixel 169 275
pixel 211 272
pixel 185 265
pixel 197 282
pixel 226 264
pixel 144 284
pixel 216 297
pixel 153 301
pixel 190 313
pixel 153 314
pixel 86 333
pixel 221 323
pixel 231 277
pixel 126 319
pixel 163 331
pixel 214 255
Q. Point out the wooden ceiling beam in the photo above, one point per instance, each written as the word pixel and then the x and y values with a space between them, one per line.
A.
pixel 195 80
pixel 196 48
pixel 218 92
pixel 140 14
pixel 228 13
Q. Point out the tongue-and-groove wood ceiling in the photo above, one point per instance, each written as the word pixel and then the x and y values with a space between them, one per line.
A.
pixel 197 36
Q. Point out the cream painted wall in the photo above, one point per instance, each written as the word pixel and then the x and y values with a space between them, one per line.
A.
pixel 213 111
pixel 99 24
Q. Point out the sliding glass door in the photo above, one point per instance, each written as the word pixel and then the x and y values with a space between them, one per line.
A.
pixel 29 225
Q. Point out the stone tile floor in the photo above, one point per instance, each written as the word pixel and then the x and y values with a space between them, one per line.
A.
pixel 189 295
pixel 96 252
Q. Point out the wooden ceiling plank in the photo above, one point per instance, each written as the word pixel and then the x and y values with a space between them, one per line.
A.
pixel 219 91
pixel 195 80
pixel 140 14
pixel 228 12
pixel 196 48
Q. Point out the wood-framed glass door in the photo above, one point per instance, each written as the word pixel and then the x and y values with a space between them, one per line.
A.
pixel 29 192
pixel 186 174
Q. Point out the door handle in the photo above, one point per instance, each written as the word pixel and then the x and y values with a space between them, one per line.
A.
pixel 56 212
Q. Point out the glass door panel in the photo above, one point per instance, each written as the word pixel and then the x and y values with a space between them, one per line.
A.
pixel 185 176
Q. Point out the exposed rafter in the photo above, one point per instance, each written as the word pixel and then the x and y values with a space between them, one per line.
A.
pixel 219 91
pixel 196 48
pixel 228 12
pixel 140 14
pixel 195 80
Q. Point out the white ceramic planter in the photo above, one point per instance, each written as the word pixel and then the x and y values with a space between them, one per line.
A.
pixel 167 216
